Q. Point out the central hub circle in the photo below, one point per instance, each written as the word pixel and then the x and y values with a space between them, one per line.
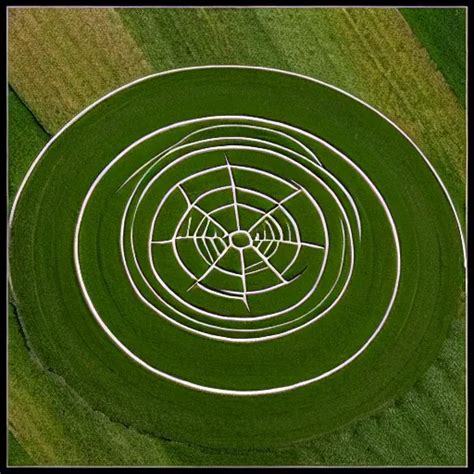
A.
pixel 240 239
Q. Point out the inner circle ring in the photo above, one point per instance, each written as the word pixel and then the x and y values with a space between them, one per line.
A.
pixel 214 315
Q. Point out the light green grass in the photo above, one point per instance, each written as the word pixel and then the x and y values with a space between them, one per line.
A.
pixel 17 456
pixel 403 433
pixel 57 84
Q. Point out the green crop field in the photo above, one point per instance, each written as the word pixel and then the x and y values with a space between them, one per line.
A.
pixel 234 265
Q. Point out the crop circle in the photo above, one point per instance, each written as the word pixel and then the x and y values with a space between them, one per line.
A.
pixel 216 246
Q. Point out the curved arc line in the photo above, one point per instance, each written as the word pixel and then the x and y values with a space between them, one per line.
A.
pixel 243 125
pixel 225 293
pixel 213 336
pixel 218 189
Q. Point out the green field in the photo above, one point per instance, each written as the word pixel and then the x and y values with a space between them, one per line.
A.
pixel 440 30
pixel 121 401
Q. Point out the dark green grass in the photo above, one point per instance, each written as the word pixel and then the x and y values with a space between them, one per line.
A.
pixel 424 427
pixel 23 133
pixel 442 31
pixel 240 360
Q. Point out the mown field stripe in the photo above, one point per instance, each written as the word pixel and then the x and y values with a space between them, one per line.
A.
pixel 332 51
pixel 57 426
pixel 61 60
pixel 402 433
pixel 172 38
pixel 75 434
pixel 339 42
pixel 60 428
pixel 400 80
pixel 442 31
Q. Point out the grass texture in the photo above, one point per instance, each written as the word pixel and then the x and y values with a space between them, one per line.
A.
pixel 443 33
pixel 420 428
pixel 17 456
pixel 24 133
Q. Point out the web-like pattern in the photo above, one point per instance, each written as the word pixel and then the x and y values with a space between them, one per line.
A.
pixel 255 244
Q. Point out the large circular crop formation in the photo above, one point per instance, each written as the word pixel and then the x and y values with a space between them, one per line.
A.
pixel 234 256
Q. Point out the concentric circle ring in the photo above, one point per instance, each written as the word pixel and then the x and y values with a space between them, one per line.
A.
pixel 228 120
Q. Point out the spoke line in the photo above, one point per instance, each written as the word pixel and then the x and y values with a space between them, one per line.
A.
pixel 289 230
pixel 302 243
pixel 189 237
pixel 234 192
pixel 268 240
pixel 244 278
pixel 260 241
pixel 204 232
pixel 214 246
pixel 268 264
pixel 274 208
pixel 192 205
pixel 186 197
pixel 211 218
pixel 197 241
pixel 189 225
pixel 209 270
